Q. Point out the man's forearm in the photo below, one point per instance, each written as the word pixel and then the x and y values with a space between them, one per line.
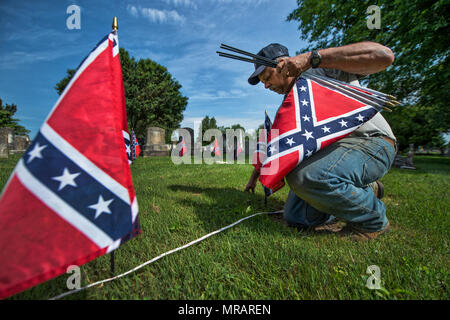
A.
pixel 359 58
pixel 255 175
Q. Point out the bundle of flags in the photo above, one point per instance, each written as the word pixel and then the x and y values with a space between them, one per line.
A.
pixel 313 115
pixel 70 198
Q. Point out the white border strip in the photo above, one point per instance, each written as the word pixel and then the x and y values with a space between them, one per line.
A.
pixel 297 108
pixel 284 135
pixel 61 208
pixel 331 136
pixel 298 148
pixel 162 255
pixel 90 168
pixel 134 210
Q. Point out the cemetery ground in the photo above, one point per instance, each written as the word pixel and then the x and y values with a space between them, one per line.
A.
pixel 262 258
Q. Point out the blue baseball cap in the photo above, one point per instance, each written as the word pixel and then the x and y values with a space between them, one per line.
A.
pixel 272 51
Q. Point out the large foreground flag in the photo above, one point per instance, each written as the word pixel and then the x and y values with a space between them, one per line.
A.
pixel 310 118
pixel 70 198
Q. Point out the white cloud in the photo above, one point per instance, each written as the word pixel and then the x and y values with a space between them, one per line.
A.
pixel 162 16
pixel 220 94
pixel 132 10
pixel 253 2
pixel 185 3
pixel 155 15
pixel 13 59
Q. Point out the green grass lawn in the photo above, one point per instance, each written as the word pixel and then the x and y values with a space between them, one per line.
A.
pixel 262 258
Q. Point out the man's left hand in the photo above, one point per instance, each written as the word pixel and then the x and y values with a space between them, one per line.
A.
pixel 294 66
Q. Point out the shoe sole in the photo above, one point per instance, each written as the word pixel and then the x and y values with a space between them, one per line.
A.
pixel 380 193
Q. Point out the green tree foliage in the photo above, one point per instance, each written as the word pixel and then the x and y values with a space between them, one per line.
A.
pixel 6 118
pixel 207 123
pixel 60 86
pixel 233 127
pixel 416 31
pixel 415 125
pixel 152 95
pixel 211 123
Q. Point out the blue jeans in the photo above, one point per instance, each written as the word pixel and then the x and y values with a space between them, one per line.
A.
pixel 334 182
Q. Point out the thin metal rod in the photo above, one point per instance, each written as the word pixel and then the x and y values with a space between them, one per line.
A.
pixel 350 85
pixel 375 98
pixel 367 89
pixel 227 47
pixel 112 263
pixel 387 100
pixel 342 90
pixel 232 56
pixel 162 255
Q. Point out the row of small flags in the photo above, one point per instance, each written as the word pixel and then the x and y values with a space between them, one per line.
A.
pixel 214 147
pixel 71 199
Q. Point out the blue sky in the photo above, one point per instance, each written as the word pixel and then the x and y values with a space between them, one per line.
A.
pixel 183 35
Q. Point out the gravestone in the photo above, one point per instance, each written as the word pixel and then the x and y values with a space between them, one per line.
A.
pixel 20 144
pixel 10 138
pixel 405 162
pixel 6 138
pixel 155 144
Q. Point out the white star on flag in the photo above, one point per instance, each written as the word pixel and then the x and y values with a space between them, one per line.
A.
pixel 304 102
pixel 306 118
pixel 309 153
pixel 272 149
pixel 303 88
pixel 308 135
pixel 360 117
pixel 128 149
pixel 290 141
pixel 343 123
pixel 66 178
pixel 325 129
pixel 36 152
pixel 101 206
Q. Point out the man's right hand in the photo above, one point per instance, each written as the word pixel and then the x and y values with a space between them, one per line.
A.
pixel 251 185
pixel 294 66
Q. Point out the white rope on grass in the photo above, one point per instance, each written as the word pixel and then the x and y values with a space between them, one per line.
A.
pixel 161 256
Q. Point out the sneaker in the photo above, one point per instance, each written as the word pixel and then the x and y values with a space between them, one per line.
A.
pixel 378 188
pixel 358 234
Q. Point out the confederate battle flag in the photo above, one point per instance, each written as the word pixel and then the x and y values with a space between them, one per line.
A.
pixel 310 118
pixel 70 198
